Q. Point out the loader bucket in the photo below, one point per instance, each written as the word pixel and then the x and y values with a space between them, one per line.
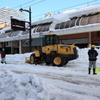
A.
pixel 27 59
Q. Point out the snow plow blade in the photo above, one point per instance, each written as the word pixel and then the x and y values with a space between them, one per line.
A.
pixel 27 59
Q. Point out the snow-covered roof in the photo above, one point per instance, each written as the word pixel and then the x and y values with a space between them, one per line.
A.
pixel 18 18
pixel 42 21
pixel 66 16
pixel 53 19
pixel 5 29
pixel 85 11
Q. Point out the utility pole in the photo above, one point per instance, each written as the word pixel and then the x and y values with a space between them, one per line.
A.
pixel 30 39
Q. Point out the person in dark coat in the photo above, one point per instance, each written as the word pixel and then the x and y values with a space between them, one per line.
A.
pixel 92 53
pixel 3 56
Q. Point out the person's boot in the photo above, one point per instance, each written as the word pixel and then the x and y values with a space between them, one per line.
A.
pixel 94 71
pixel 5 62
pixel 89 70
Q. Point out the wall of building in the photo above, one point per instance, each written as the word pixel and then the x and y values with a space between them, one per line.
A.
pixel 95 37
pixel 81 40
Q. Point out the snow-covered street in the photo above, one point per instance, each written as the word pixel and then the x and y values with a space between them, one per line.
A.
pixel 22 81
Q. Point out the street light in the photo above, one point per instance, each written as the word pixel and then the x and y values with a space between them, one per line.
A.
pixel 29 11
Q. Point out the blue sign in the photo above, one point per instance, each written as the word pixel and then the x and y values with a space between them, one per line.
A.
pixel 41 36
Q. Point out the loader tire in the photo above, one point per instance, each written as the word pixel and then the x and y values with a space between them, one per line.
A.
pixel 32 58
pixel 65 61
pixel 48 60
pixel 47 63
pixel 58 61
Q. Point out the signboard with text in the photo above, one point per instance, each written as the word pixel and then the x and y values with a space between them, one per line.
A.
pixel 17 24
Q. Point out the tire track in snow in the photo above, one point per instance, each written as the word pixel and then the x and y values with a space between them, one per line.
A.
pixel 67 78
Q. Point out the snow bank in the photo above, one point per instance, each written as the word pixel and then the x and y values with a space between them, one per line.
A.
pixel 17 58
pixel 83 57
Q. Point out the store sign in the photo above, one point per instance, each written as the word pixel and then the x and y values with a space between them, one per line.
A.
pixel 41 34
pixel 17 24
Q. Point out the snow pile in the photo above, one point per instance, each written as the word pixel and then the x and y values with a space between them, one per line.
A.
pixel 22 87
pixel 83 57
pixel 29 87
pixel 17 58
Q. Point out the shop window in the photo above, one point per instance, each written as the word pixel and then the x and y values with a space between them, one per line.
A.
pixel 62 25
pixel 78 21
pixel 72 22
pixel 25 32
pixel 15 33
pixel 57 26
pixel 42 28
pixel 36 28
pixel 67 24
pixel 84 21
pixel 4 35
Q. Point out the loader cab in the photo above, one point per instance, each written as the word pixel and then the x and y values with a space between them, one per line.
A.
pixel 50 40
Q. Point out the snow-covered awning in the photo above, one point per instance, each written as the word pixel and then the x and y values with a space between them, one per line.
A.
pixel 73 30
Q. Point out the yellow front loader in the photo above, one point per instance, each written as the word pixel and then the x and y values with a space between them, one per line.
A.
pixel 52 52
